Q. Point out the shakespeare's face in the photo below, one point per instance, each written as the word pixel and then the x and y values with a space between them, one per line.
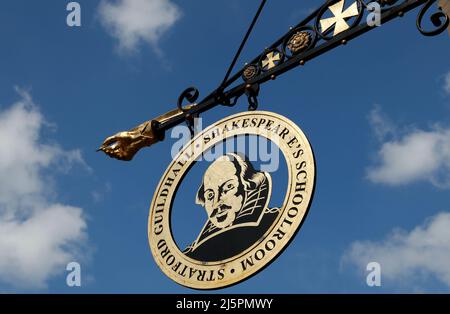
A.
pixel 223 192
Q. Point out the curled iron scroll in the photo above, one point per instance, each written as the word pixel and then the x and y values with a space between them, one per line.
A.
pixel 190 94
pixel 439 19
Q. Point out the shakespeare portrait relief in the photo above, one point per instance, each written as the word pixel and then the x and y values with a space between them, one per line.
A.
pixel 235 198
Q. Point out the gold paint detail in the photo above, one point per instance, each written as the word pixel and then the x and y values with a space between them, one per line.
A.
pixel 124 145
pixel 299 42
pixel 271 60
pixel 339 17
pixel 445 6
pixel 250 72
pixel 250 208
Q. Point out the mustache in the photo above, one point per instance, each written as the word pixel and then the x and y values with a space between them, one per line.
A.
pixel 216 210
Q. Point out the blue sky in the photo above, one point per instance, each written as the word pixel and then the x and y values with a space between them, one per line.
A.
pixel 376 112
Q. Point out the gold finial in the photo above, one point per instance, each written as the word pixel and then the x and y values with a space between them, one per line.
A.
pixel 124 145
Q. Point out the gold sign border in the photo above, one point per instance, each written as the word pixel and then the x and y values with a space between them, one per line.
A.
pixel 300 190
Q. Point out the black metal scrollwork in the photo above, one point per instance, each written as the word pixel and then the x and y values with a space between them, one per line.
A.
pixel 333 24
pixel 340 20
pixel 191 95
pixel 309 36
pixel 439 19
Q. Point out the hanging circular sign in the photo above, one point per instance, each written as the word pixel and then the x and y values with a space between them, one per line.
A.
pixel 241 234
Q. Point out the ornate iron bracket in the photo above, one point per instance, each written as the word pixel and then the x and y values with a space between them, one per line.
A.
pixel 334 24
pixel 306 41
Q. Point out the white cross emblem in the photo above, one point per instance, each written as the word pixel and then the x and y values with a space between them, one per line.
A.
pixel 339 18
pixel 271 60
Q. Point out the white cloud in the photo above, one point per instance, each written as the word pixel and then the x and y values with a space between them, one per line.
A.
pixel 447 83
pixel 409 256
pixel 37 235
pixel 381 125
pixel 134 21
pixel 417 155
